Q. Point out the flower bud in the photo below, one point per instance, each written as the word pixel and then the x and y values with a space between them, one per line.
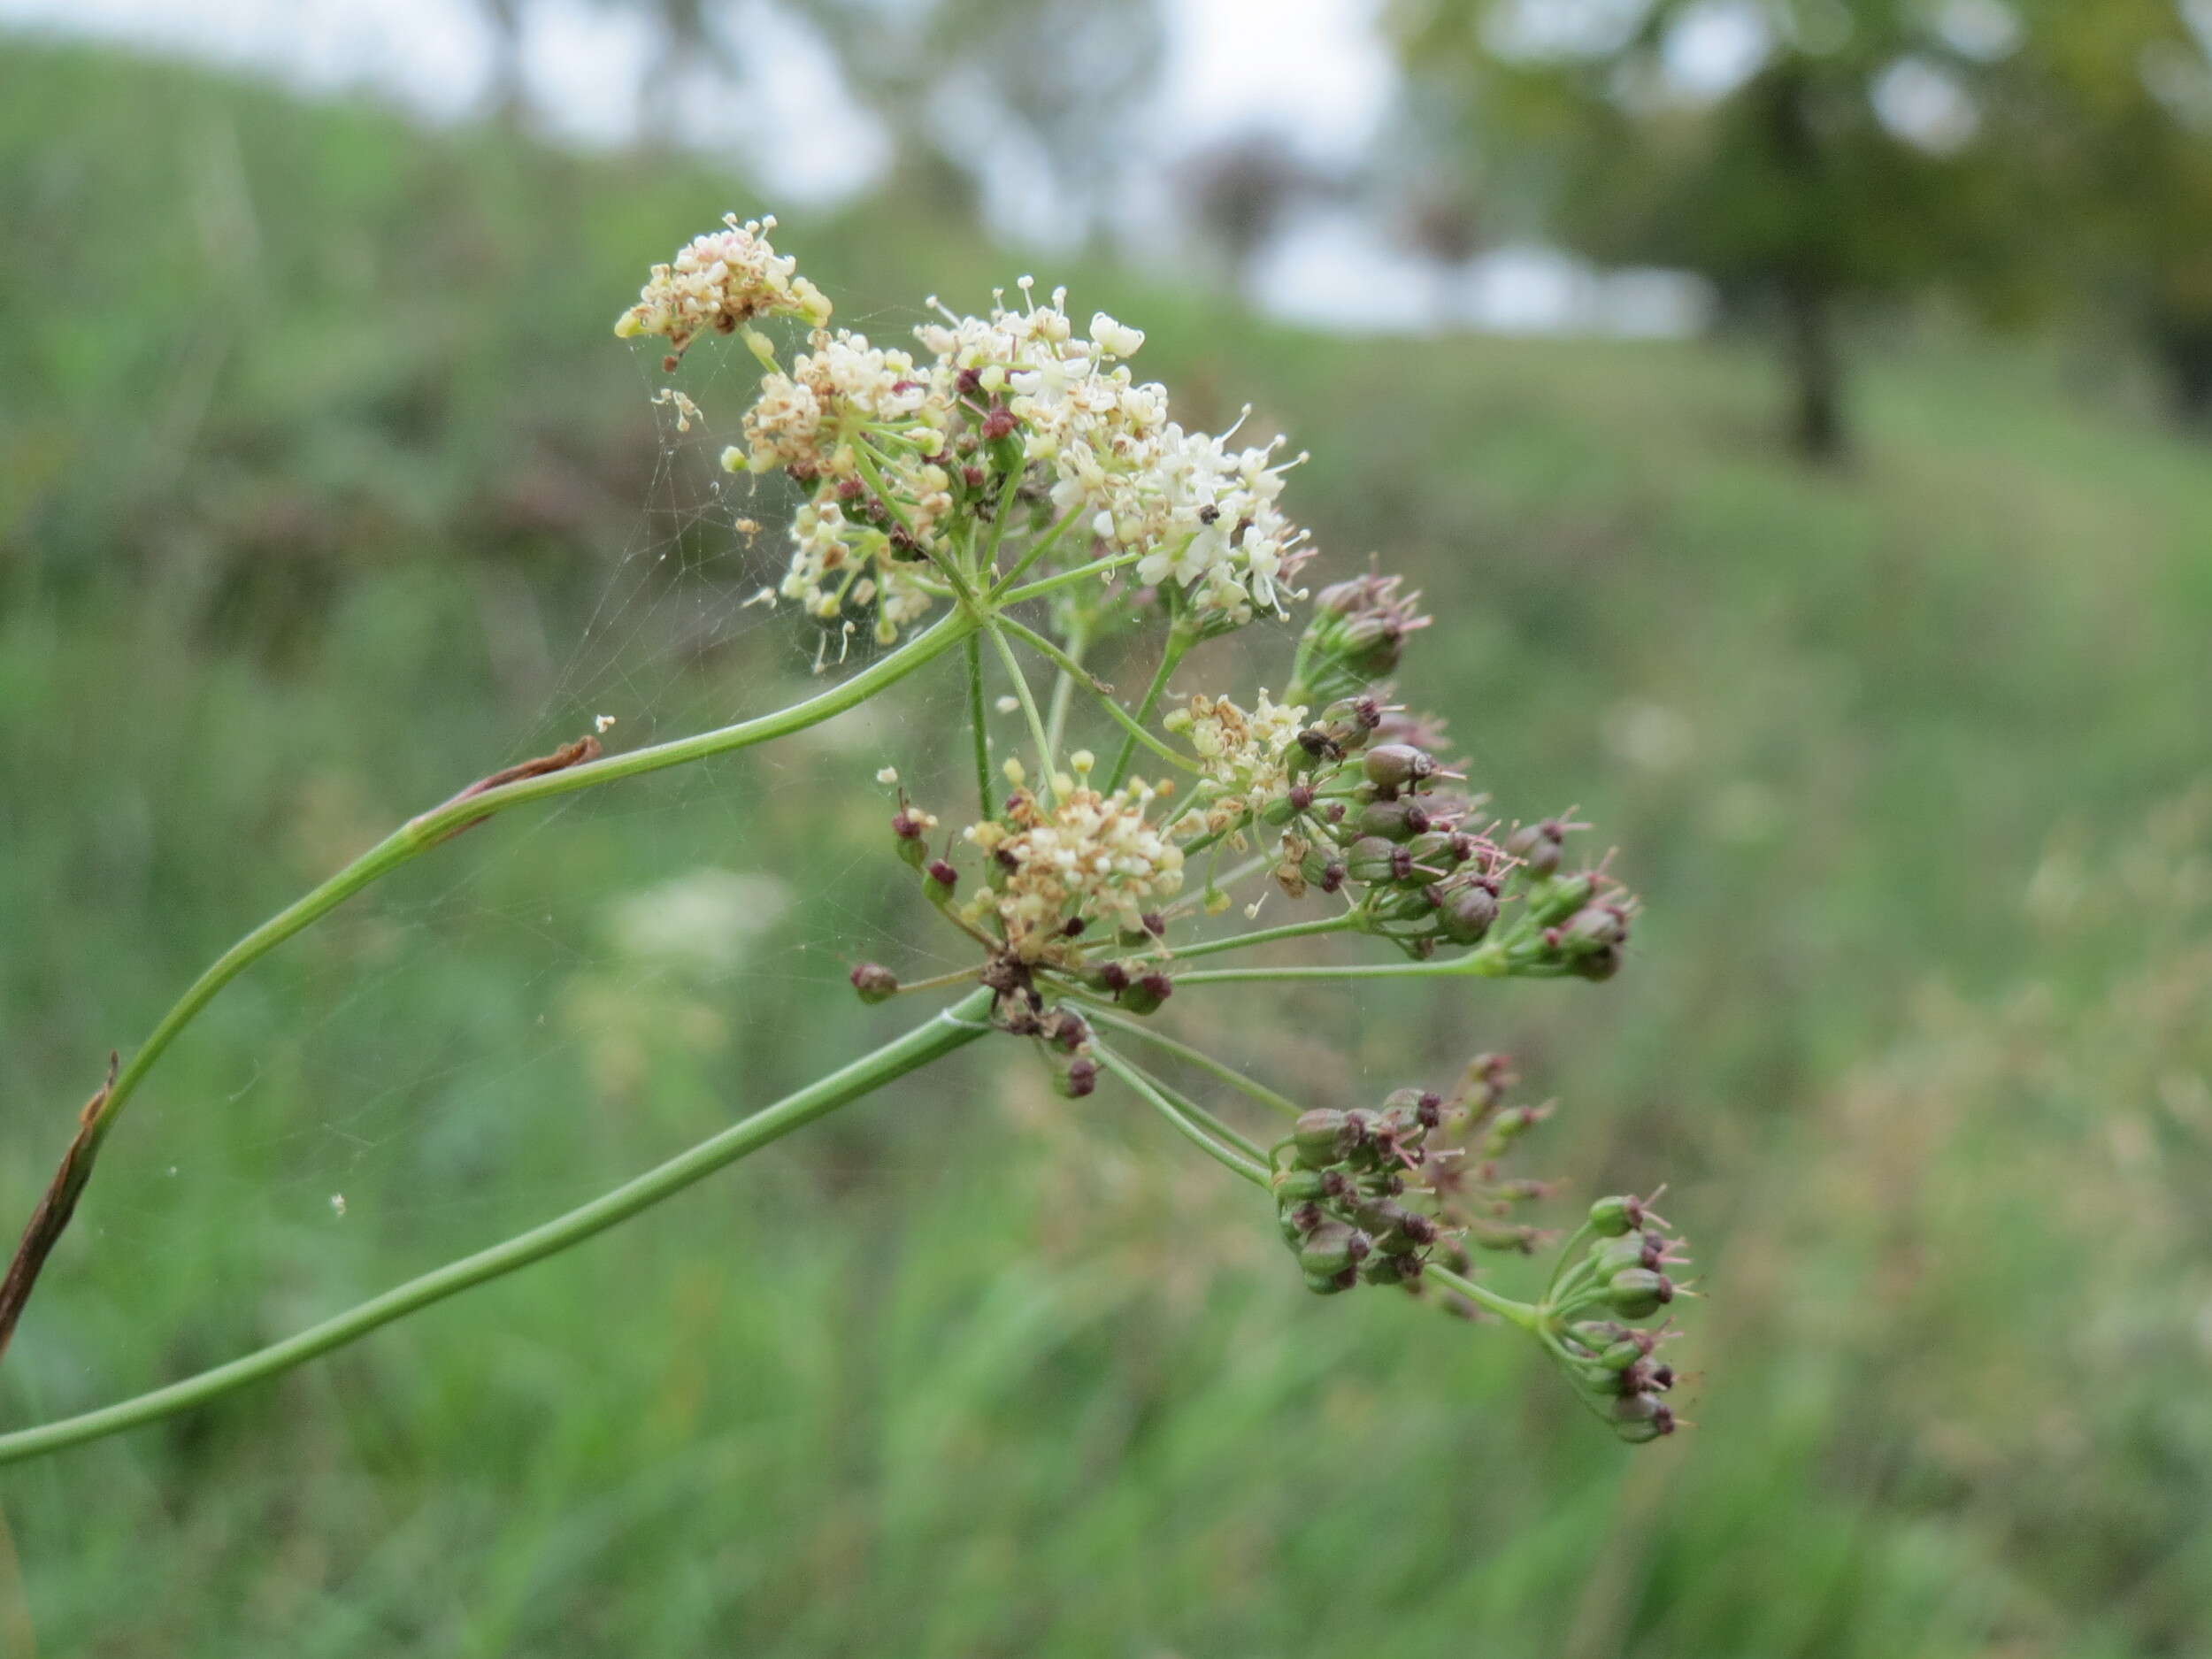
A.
pixel 943 880
pixel 1394 765
pixel 1351 721
pixel 1640 1417
pixel 1332 1247
pixel 1322 870
pixel 1390 1270
pixel 1435 848
pixel 1636 1293
pixel 1554 900
pixel 875 983
pixel 1619 1356
pixel 1539 845
pixel 1618 1214
pixel 1371 859
pixel 1597 965
pixel 1487 1234
pixel 1467 913
pixel 1300 1184
pixel 1322 1136
pixel 1393 820
pixel 1330 1283
pixel 1109 977
pixel 1594 927
pixel 910 829
pixel 1079 1078
pixel 1146 993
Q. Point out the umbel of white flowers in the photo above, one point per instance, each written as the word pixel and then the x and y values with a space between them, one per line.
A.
pixel 899 449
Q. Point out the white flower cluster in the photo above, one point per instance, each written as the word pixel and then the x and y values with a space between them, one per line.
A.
pixel 841 394
pixel 1089 855
pixel 897 450
pixel 1247 755
pixel 720 281
pixel 1200 514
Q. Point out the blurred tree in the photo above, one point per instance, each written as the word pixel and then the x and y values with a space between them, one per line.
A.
pixel 1806 157
pixel 964 87
pixel 1240 190
pixel 962 83
pixel 2127 86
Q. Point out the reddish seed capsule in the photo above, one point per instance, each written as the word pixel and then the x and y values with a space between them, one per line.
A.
pixel 875 983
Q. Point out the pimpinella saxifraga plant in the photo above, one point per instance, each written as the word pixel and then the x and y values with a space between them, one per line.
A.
pixel 1007 492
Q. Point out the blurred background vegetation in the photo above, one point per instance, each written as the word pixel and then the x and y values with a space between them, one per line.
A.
pixel 323 489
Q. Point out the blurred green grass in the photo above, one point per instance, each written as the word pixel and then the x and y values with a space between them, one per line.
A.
pixel 323 489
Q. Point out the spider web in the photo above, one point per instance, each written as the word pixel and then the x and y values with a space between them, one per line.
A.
pixel 577 989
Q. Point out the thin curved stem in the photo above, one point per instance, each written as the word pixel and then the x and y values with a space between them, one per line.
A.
pixel 1177 646
pixel 1344 924
pixel 1481 963
pixel 941 1034
pixel 1223 1131
pixel 977 722
pixel 1050 767
pixel 1073 672
pixel 1154 1096
pixel 1070 663
pixel 1002 510
pixel 1198 1057
pixel 1043 545
pixel 1251 866
pixel 1528 1319
pixel 1063 579
pixel 423 831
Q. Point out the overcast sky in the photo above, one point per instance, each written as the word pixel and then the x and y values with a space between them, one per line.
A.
pixel 1312 71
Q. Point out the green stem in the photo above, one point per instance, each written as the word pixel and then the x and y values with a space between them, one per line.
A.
pixel 1250 867
pixel 977 722
pixel 1483 963
pixel 1198 1057
pixel 1530 1319
pixel 1071 671
pixel 1227 1133
pixel 937 981
pixel 1043 545
pixel 1178 644
pixel 1049 788
pixel 884 497
pixel 419 834
pixel 1038 589
pixel 1248 1168
pixel 1002 510
pixel 951 1029
pixel 1070 663
pixel 1581 1235
pixel 1344 924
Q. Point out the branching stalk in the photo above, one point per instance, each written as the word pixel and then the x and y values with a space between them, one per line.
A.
pixel 1102 1016
pixel 1179 643
pixel 951 1029
pixel 410 842
pixel 1250 1169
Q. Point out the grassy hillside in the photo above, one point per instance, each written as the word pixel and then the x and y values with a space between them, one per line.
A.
pixel 323 489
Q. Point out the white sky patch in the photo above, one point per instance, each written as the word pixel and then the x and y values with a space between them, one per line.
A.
pixel 1983 29
pixel 582 64
pixel 1316 72
pixel 1924 104
pixel 1324 255
pixel 1715 47
pixel 1564 28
